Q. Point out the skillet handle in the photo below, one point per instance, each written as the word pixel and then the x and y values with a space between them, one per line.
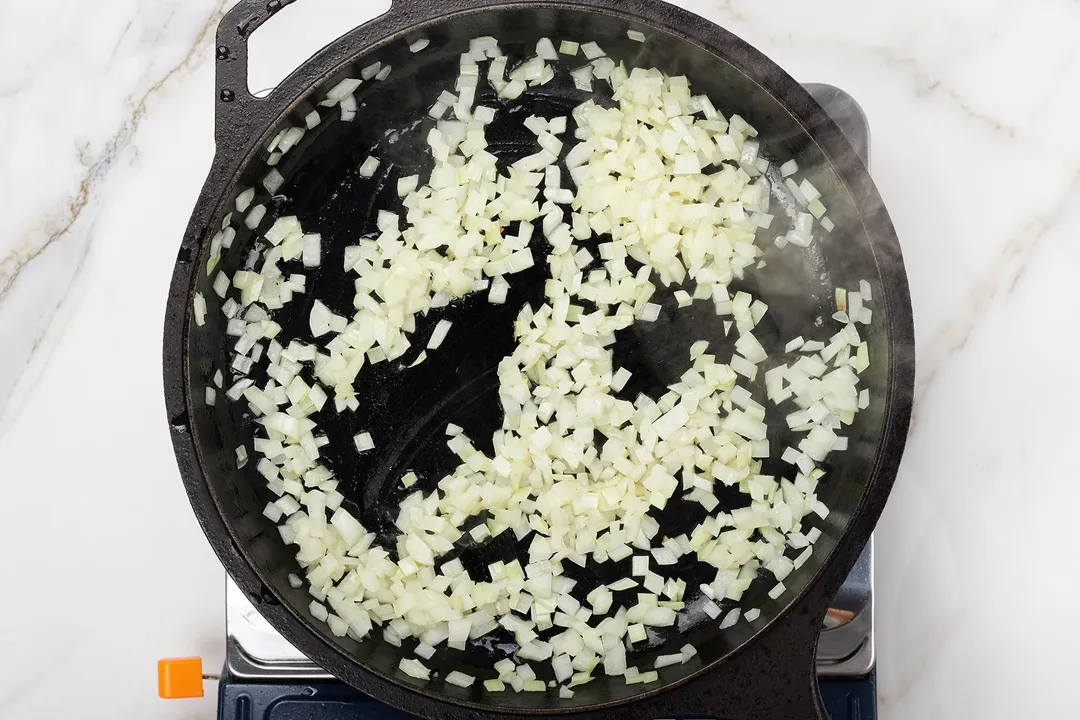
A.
pixel 235 103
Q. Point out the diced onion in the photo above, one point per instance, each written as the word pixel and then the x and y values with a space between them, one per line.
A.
pixel 371 70
pixel 460 679
pixel 591 50
pixel 200 309
pixel 414 669
pixel 546 50
pixel 243 200
pixel 442 328
pixel 363 442
pixel 656 180
pixel 368 167
pixel 312 253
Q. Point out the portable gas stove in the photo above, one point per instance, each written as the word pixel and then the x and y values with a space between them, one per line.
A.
pixel 266 678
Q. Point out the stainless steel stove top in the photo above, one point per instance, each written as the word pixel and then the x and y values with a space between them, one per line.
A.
pixel 255 650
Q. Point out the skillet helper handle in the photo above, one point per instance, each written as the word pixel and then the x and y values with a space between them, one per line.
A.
pixel 235 105
pixel 234 102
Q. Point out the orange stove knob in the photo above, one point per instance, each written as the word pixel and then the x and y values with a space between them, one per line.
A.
pixel 180 678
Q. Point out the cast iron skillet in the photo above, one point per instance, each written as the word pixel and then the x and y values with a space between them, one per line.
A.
pixel 761 670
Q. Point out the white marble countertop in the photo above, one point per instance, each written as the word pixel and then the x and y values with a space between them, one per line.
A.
pixel 106 111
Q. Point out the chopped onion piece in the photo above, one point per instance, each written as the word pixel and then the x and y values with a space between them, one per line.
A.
pixel 664 661
pixel 414 668
pixel 407 185
pixel 460 679
pixel 368 167
pixel 591 50
pixel 255 217
pixel 646 677
pixel 273 181
pixel 371 70
pixel 243 200
pixel 342 90
pixel 200 309
pixel 632 216
pixel 312 253
pixel 363 442
pixel 651 312
pixel 348 108
pixel 546 50
pixel 442 328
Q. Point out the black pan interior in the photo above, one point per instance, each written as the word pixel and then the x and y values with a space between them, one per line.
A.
pixel 406 411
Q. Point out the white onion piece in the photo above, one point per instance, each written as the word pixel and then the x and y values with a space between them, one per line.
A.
pixel 591 50
pixel 368 167
pixel 546 50
pixel 442 328
pixel 243 200
pixel 414 668
pixel 582 77
pixel 363 442
pixel 200 309
pixel 371 70
pixel 558 386
pixel 253 218
pixel 312 253
pixel 460 679
pixel 342 90
pixel 348 108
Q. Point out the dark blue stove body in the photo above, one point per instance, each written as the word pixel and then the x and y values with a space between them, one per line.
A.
pixel 244 700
